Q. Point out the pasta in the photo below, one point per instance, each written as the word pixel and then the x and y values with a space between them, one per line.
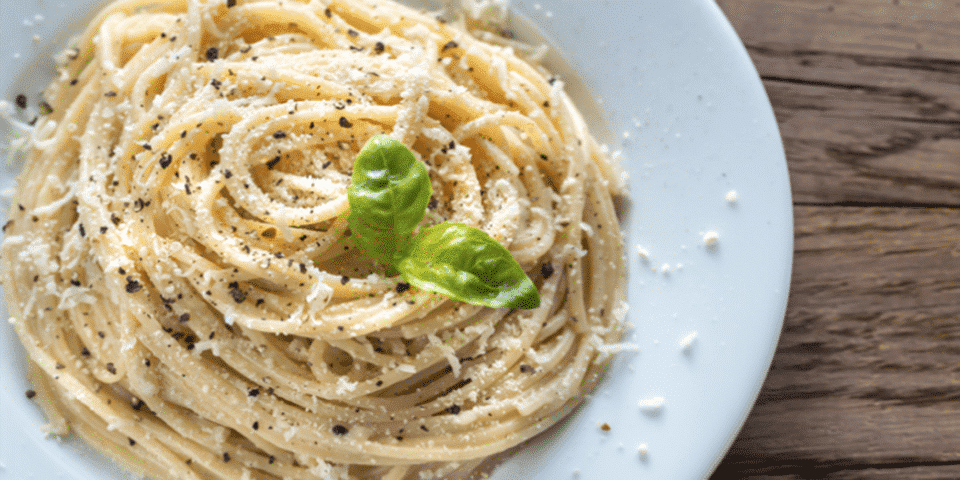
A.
pixel 179 268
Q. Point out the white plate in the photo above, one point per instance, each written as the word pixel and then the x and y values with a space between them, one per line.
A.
pixel 682 102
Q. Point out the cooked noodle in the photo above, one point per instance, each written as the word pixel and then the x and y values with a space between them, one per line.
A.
pixel 178 263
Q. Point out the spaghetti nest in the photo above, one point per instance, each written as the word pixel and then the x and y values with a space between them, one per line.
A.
pixel 179 266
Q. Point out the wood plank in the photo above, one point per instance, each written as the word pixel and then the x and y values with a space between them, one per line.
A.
pixel 865 472
pixel 899 28
pixel 866 377
pixel 866 117
pixel 863 141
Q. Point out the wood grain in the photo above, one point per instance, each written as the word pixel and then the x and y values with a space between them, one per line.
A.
pixel 867 117
pixel 865 383
pixel 867 373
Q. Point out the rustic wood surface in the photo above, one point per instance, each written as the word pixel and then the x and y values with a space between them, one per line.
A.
pixel 865 382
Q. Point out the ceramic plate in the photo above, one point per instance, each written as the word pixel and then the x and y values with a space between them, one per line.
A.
pixel 668 85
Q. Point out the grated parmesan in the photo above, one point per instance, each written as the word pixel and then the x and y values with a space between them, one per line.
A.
pixel 688 341
pixel 651 406
pixel 732 197
pixel 711 238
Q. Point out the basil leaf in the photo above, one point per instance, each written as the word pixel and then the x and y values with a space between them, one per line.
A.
pixel 466 264
pixel 388 196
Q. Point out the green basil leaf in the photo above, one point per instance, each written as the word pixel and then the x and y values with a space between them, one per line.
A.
pixel 388 196
pixel 466 264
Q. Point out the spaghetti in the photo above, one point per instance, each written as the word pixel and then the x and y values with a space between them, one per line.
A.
pixel 179 268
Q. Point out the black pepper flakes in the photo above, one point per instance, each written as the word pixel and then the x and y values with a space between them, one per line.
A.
pixel 273 163
pixel 454 409
pixel 226 457
pixel 212 54
pixel 227 174
pixel 21 101
pixel 546 270
pixel 378 48
pixel 131 441
pixel 256 425
pixel 340 430
pixel 450 45
pixel 253 392
pixel 133 286
pixel 140 204
pixel 30 394
pixel 80 229
pixel 345 123
pixel 45 108
pixel 111 93
pixel 344 279
pixel 325 165
pixel 231 3
pixel 402 287
pixel 111 368
pixel 165 160
pixel 215 83
pixel 327 12
pixel 279 134
pixel 238 295
pixel 524 368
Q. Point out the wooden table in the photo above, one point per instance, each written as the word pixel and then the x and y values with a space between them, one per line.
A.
pixel 865 382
